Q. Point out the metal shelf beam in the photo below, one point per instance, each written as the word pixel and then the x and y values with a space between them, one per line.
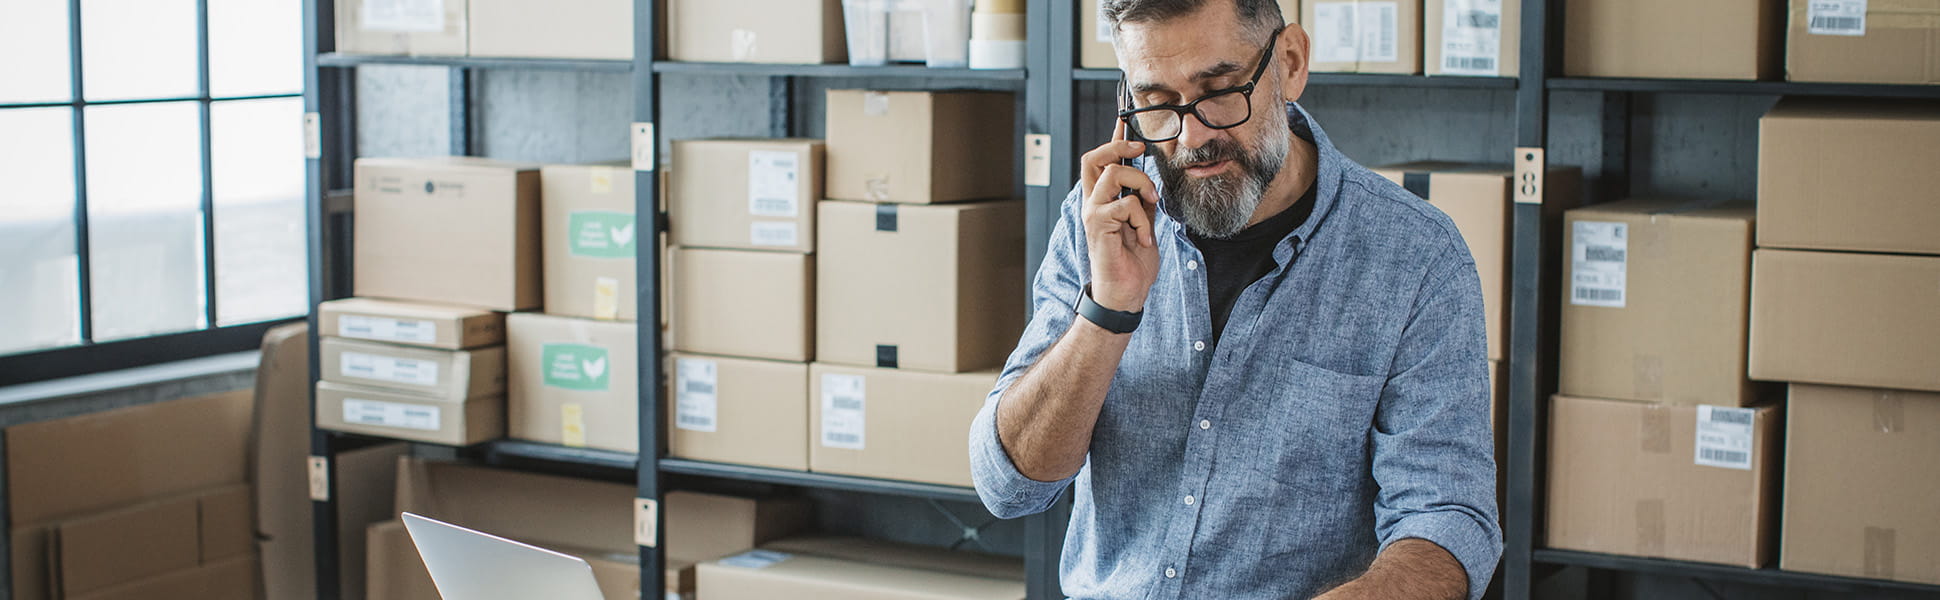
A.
pixel 1754 88
pixel 1715 572
pixel 334 59
pixel 826 481
pixel 837 70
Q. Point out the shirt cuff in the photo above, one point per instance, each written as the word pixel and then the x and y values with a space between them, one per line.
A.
pixel 1478 548
pixel 1004 490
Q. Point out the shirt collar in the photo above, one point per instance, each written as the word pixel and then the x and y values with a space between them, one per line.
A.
pixel 1327 183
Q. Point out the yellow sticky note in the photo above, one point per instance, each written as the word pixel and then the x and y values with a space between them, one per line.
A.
pixel 600 180
pixel 606 298
pixel 572 424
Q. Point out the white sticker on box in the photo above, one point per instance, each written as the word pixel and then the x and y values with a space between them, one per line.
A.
pixel 1836 17
pixel 404 16
pixel 385 329
pixel 756 559
pixel 843 411
pixel 1471 37
pixel 1598 263
pixel 1724 437
pixel 696 403
pixel 774 184
pixel 390 414
pixel 377 367
pixel 1104 26
pixel 1380 31
pixel 875 104
pixel 1335 38
pixel 763 233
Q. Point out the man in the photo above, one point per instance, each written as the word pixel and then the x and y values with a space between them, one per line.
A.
pixel 1265 374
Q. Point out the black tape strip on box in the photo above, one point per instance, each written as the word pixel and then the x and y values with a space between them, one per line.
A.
pixel 886 217
pixel 1416 183
pixel 886 356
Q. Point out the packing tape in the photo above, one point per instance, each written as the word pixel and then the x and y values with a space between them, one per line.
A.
pixel 886 218
pixel 1649 239
pixel 741 44
pixel 876 187
pixel 1879 554
pixel 1647 376
pixel 1650 527
pixel 886 356
pixel 1889 414
pixel 1417 183
pixel 1655 430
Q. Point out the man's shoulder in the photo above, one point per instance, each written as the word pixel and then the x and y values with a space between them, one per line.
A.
pixel 1398 218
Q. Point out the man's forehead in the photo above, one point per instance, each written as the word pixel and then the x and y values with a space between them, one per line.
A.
pixel 1182 53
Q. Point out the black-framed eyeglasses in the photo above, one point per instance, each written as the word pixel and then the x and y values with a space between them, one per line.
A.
pixel 1219 109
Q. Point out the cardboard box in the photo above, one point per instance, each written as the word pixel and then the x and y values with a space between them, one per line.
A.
pixel 574 382
pixel 448 374
pixel 1660 481
pixel 1364 36
pixel 103 461
pixel 406 416
pixel 885 552
pixel 920 287
pixel 377 27
pixel 759 31
pixel 1656 302
pixel 748 194
pixel 457 230
pixel 152 539
pixel 1471 37
pixel 920 147
pixel 737 410
pixel 1673 39
pixel 411 323
pixel 590 241
pixel 234 579
pixel 1846 319
pixel 893 424
pixel 1873 157
pixel 744 303
pixel 1094 37
pixel 704 527
pixel 582 29
pixel 1882 41
pixel 1478 198
pixel 823 570
pixel 1860 483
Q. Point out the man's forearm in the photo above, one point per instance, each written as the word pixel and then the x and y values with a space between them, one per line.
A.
pixel 1044 420
pixel 1410 569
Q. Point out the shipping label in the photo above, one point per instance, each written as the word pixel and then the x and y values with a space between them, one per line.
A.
pixel 404 16
pixel 385 329
pixel 576 367
pixel 774 184
pixel 756 559
pixel 696 404
pixel 600 234
pixel 1380 31
pixel 1598 264
pixel 1471 37
pixel 843 411
pixel 768 233
pixel 1724 437
pixel 390 369
pixel 1836 17
pixel 391 414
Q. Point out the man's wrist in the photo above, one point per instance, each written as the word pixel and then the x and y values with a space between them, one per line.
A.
pixel 1109 319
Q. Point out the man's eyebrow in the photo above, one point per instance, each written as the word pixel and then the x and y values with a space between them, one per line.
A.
pixel 1218 70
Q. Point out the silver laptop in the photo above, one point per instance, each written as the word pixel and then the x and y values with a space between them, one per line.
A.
pixel 468 565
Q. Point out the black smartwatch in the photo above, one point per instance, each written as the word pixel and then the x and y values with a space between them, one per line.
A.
pixel 1115 321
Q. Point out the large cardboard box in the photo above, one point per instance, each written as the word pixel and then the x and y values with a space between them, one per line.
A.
pixel 457 230
pixel 1674 39
pixel 1364 36
pixel 233 579
pixel 583 29
pixel 935 288
pixel 1094 37
pixel 893 424
pixel 1478 198
pixel 748 194
pixel 1472 37
pixel 708 526
pixel 590 241
pixel 738 410
pixel 744 303
pixel 574 382
pixel 406 416
pixel 449 374
pixel 411 28
pixel 1860 483
pixel 758 31
pixel 1882 41
pixel 1657 301
pixel 1696 483
pixel 1849 175
pixel 1846 319
pixel 920 147
pixel 411 323
pixel 90 554
pixel 835 569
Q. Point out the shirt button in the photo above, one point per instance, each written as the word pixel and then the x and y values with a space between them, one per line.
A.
pixel 1199 346
pixel 1192 265
pixel 1205 424
pixel 1189 500
pixel 1170 573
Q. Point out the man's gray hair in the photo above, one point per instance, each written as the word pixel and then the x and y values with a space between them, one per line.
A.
pixel 1257 17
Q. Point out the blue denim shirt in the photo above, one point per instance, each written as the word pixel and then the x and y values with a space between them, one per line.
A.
pixel 1345 408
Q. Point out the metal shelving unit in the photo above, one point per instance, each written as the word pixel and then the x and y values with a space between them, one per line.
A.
pixel 1706 571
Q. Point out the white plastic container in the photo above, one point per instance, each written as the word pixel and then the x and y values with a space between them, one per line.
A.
pixel 867 25
pixel 946 30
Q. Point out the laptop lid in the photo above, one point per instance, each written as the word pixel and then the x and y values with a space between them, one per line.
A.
pixel 469 565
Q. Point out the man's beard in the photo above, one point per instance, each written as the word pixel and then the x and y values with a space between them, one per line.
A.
pixel 1219 207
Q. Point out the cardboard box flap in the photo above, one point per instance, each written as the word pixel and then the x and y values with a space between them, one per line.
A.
pixel 130 544
pixel 578 512
pixel 904 555
pixel 91 463
pixel 230 580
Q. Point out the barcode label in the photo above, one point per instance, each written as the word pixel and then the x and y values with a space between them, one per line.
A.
pixel 1471 37
pixel 1465 64
pixel 1836 17
pixel 1381 36
pixel 1335 37
pixel 1597 295
pixel 696 405
pixel 765 233
pixel 404 16
pixel 389 369
pixel 844 411
pixel 1599 254
pixel 384 329
pixel 391 414
pixel 1724 437
pixel 773 186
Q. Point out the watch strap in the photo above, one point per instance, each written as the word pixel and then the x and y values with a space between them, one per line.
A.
pixel 1115 321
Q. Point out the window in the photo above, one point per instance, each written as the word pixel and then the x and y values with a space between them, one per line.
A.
pixel 151 178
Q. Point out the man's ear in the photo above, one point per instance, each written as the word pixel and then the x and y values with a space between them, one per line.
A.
pixel 1294 49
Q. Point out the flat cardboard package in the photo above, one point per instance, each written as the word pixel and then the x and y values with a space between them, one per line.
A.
pixel 1364 36
pixel 1849 175
pixel 1846 319
pixel 99 552
pixel 1094 37
pixel 833 569
pixel 457 230
pixel 1673 39
pixel 449 374
pixel 574 382
pixel 406 416
pixel 893 424
pixel 932 288
pixel 590 241
pixel 1860 483
pixel 1471 37
pixel 1657 302
pixel 1661 481
pixel 738 410
pixel 746 194
pixel 572 29
pixel 409 28
pixel 744 303
pixel 1881 41
pixel 232 579
pixel 758 31
pixel 411 323
pixel 920 147
pixel 1478 199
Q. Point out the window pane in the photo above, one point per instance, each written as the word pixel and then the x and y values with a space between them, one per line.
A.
pixel 39 280
pixel 33 51
pixel 134 49
pixel 257 149
pixel 254 47
pixel 145 218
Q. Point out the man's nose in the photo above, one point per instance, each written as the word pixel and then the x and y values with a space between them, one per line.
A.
pixel 1193 133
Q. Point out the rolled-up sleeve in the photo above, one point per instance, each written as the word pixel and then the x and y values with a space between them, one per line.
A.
pixel 1433 448
pixel 1005 490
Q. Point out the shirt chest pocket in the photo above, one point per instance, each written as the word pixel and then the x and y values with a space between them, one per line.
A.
pixel 1305 429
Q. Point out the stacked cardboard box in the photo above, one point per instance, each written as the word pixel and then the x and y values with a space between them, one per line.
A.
pixel 1365 36
pixel 411 371
pixel 824 568
pixel 1094 35
pixel 757 31
pixel 1717 39
pixel 1843 295
pixel 566 29
pixel 1883 41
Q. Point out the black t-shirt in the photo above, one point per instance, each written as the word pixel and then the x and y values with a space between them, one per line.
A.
pixel 1233 264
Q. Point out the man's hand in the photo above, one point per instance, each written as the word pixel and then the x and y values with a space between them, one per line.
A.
pixel 1410 569
pixel 1119 237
